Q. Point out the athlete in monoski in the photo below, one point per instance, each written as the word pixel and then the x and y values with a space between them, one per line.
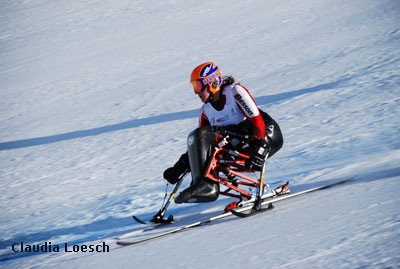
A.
pixel 227 106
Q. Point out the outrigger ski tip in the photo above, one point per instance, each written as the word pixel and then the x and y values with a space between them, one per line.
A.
pixel 155 220
pixel 140 221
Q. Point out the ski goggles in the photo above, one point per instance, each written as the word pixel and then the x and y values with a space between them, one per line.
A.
pixel 198 86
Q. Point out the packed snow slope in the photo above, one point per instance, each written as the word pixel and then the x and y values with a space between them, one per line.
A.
pixel 95 103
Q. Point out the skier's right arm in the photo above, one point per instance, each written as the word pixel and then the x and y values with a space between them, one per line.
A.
pixel 173 173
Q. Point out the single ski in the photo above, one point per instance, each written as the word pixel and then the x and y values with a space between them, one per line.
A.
pixel 186 227
pixel 238 212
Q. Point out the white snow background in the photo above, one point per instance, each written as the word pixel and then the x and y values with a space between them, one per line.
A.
pixel 95 103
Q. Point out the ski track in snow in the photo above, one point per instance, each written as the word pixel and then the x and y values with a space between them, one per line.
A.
pixel 95 103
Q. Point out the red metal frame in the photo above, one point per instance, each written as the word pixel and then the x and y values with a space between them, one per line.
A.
pixel 230 163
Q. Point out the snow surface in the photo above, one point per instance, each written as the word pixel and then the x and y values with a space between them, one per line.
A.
pixel 95 103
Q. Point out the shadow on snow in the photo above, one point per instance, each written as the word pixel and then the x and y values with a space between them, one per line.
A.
pixel 263 100
pixel 112 227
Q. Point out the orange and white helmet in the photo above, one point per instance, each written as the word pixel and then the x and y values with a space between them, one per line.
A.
pixel 206 74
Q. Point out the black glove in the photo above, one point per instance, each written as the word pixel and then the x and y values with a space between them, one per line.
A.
pixel 257 156
pixel 172 174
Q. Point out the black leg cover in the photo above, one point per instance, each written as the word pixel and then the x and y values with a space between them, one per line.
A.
pixel 200 147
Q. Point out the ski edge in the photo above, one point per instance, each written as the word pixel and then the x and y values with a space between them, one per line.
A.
pixel 326 186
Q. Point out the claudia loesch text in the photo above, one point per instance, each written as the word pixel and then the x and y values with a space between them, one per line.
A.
pixel 65 247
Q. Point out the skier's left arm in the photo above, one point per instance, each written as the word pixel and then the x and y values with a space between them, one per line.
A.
pixel 249 108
